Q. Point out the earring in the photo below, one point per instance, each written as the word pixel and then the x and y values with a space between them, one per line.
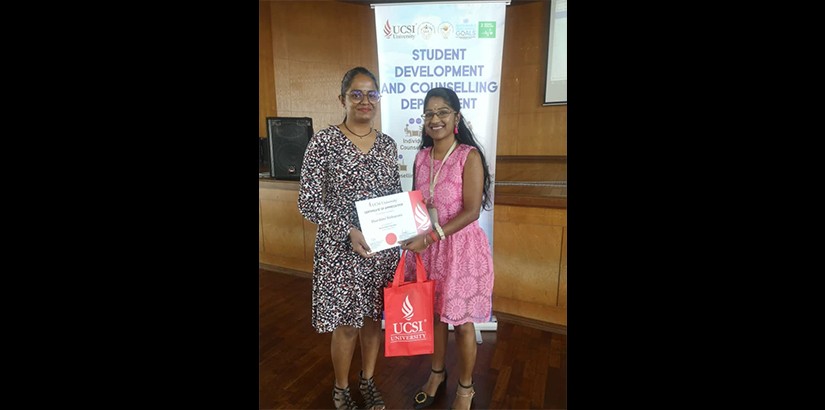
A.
pixel 455 131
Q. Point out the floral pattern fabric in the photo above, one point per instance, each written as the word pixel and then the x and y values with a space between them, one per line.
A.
pixel 335 174
pixel 461 264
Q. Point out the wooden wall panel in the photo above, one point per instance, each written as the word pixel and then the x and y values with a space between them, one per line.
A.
pixel 287 239
pixel 530 29
pixel 312 51
pixel 527 253
pixel 267 105
pixel 510 97
pixel 260 230
pixel 527 262
pixel 531 168
pixel 282 223
pixel 282 227
pixel 311 31
pixel 526 127
pixel 533 130
pixel 507 139
pixel 531 215
pixel 277 261
pixel 563 272
pixel 538 315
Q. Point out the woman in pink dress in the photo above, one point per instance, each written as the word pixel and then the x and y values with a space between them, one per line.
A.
pixel 452 174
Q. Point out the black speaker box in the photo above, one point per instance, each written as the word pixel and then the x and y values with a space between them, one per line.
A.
pixel 288 138
pixel 264 169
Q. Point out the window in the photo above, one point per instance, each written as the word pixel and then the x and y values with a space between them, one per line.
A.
pixel 555 92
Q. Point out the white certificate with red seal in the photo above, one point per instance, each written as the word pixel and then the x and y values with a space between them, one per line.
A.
pixel 389 219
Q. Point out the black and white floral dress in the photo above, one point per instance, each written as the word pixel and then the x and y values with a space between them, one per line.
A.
pixel 335 174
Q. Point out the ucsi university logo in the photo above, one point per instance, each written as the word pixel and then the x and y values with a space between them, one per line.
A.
pixel 407 308
pixel 399 31
pixel 422 218
pixel 409 331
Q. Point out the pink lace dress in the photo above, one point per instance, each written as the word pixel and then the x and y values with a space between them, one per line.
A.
pixel 461 264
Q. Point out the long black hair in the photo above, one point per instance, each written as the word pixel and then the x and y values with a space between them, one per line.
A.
pixel 464 136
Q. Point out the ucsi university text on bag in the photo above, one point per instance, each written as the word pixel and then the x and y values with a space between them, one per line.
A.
pixel 408 313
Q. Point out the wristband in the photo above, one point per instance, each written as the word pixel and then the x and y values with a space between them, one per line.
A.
pixel 433 236
pixel 440 231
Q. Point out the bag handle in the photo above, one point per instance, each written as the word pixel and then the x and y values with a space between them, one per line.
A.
pixel 420 273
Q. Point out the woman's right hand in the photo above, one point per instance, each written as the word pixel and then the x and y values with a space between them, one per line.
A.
pixel 358 243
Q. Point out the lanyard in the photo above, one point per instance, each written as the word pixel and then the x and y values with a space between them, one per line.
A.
pixel 434 179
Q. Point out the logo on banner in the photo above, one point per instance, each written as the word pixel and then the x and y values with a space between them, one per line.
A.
pixel 405 31
pixel 445 29
pixel 486 29
pixel 465 30
pixel 426 30
pixel 410 133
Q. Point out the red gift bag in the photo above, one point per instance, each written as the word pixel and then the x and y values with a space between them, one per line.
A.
pixel 408 313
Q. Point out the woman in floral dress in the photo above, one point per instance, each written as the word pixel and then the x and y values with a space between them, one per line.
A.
pixel 343 164
pixel 452 175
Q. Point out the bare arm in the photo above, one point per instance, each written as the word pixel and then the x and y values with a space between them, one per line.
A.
pixel 473 191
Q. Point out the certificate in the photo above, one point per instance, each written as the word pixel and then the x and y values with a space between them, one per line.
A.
pixel 389 219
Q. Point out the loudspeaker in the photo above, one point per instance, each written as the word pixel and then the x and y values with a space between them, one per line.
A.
pixel 288 139
pixel 264 168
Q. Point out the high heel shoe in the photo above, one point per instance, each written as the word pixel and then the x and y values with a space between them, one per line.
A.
pixel 470 394
pixel 422 399
pixel 342 400
pixel 370 394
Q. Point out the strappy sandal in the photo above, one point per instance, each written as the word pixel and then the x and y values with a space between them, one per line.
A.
pixel 424 400
pixel 370 393
pixel 342 400
pixel 470 394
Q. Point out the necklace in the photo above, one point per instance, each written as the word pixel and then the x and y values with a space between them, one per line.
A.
pixel 353 133
pixel 443 161
pixel 431 209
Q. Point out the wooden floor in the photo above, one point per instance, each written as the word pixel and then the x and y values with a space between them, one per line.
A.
pixel 517 367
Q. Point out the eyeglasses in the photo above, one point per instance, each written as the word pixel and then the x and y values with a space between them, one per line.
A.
pixel 440 113
pixel 357 96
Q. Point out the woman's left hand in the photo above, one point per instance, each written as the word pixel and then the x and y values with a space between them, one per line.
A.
pixel 416 244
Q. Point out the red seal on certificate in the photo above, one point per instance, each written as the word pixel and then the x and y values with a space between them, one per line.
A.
pixel 391 238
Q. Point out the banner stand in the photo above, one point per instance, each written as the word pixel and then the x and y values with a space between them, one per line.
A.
pixel 453 44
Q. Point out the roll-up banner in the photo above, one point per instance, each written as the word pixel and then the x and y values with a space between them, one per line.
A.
pixel 456 45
